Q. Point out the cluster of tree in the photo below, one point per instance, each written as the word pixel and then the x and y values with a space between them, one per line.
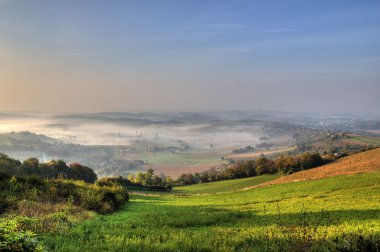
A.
pixel 250 168
pixel 243 150
pixel 264 145
pixel 290 164
pixel 148 178
pixel 155 185
pixel 53 170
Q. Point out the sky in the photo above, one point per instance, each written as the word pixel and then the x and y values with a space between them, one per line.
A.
pixel 109 55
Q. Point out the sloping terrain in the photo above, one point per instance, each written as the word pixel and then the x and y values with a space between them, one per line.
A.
pixel 272 218
pixel 364 162
pixel 256 154
pixel 225 185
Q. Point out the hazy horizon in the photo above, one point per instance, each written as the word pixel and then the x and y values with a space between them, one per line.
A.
pixel 311 113
pixel 91 56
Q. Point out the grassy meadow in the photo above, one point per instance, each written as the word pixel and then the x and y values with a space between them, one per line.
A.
pixel 319 215
pixel 181 159
pixel 225 185
pixel 364 140
pixel 176 164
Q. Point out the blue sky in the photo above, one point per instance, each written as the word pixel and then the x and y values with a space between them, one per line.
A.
pixel 190 55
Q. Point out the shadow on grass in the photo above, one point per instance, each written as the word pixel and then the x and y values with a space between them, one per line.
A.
pixel 161 227
pixel 152 211
pixel 158 215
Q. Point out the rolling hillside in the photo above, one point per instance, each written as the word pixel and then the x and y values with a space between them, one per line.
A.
pixel 364 162
pixel 225 185
pixel 271 217
pixel 334 213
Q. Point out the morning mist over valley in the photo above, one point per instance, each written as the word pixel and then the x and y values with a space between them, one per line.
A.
pixel 189 125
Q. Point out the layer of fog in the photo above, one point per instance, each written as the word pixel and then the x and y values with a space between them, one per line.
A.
pixel 78 131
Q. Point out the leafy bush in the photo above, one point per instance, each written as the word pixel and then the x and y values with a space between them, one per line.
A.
pixel 49 205
pixel 102 199
pixel 13 237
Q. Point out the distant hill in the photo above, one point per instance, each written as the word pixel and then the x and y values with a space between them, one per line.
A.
pixel 364 162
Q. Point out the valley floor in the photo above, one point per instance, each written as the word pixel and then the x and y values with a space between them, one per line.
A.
pixel 297 216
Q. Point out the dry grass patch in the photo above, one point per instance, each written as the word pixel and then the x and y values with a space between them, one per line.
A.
pixel 364 162
pixel 37 209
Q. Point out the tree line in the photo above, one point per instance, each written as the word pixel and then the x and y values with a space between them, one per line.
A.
pixel 241 169
pixel 251 168
pixel 148 180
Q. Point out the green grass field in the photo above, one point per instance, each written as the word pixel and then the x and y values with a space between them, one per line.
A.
pixel 268 218
pixel 366 140
pixel 224 186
